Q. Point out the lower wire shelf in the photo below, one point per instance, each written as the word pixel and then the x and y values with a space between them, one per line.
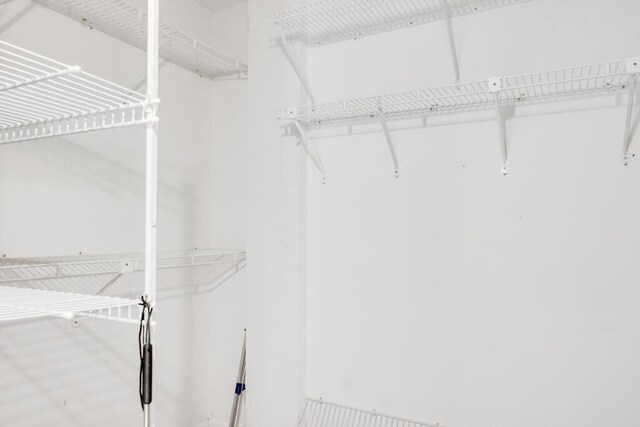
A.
pixel 21 304
pixel 104 286
pixel 319 413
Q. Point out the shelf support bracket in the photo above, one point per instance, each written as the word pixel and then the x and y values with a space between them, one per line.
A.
pixel 296 67
pixel 495 86
pixel 387 135
pixel 452 41
pixel 310 148
pixel 109 284
pixel 632 66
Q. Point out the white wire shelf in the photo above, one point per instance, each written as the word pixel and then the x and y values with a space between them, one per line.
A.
pixel 21 304
pixel 127 23
pixel 41 98
pixel 329 21
pixel 121 275
pixel 556 85
pixel 318 413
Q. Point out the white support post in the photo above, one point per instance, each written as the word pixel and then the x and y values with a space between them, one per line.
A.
pixel 294 64
pixel 152 154
pixel 392 150
pixel 495 86
pixel 310 148
pixel 632 66
pixel 151 204
pixel 452 40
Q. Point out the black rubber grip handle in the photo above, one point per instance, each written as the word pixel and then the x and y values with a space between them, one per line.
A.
pixel 147 374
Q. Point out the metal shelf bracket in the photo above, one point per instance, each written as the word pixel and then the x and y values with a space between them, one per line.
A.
pixel 310 148
pixel 633 68
pixel 387 135
pixel 296 67
pixel 452 41
pixel 495 87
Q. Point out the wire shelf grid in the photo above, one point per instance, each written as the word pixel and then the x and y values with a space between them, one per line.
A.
pixel 120 275
pixel 40 98
pixel 560 84
pixel 127 23
pixel 318 413
pixel 103 286
pixel 21 304
pixel 330 21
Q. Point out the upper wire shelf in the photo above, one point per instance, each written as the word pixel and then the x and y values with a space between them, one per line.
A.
pixel 40 98
pixel 330 21
pixel 587 80
pixel 127 23
pixel 318 413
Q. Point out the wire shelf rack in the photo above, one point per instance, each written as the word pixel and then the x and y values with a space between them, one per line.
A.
pixel 127 23
pixel 318 413
pixel 121 275
pixel 21 304
pixel 330 21
pixel 556 85
pixel 40 98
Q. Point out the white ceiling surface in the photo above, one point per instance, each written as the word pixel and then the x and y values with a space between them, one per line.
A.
pixel 220 4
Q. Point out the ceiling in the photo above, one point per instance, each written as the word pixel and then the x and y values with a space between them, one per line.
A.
pixel 220 4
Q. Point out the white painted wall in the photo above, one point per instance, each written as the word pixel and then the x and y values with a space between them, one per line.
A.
pixel 85 193
pixel 276 235
pixel 223 312
pixel 455 294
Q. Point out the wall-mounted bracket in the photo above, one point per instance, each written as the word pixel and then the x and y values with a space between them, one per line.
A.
pixel 387 135
pixel 452 41
pixel 633 67
pixel 310 149
pixel 495 86
pixel 296 67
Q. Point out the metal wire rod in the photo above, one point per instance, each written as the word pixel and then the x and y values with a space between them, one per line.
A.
pixel 41 98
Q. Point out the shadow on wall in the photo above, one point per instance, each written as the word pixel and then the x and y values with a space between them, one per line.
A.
pixel 56 375
pixel 17 17
pixel 106 174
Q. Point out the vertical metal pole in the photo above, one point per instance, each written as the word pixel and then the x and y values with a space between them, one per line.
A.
pixel 627 129
pixel 233 422
pixel 151 205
